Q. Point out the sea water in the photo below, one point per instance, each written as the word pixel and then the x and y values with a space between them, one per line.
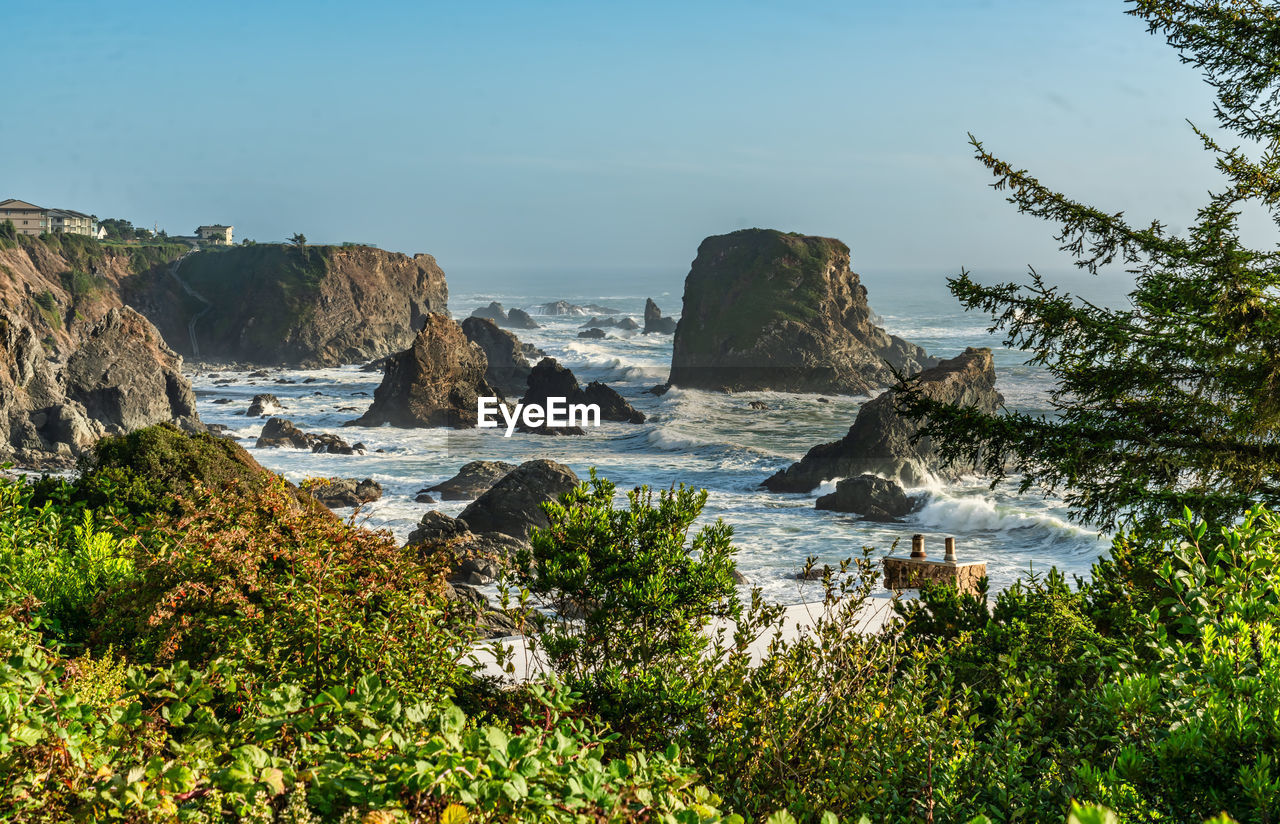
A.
pixel 705 439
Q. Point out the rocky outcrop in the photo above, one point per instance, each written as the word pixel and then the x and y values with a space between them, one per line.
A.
pixel 119 377
pixel 263 405
pixel 281 305
pixel 513 505
pixel 563 307
pixel 872 497
pixel 508 369
pixel 435 382
pixel 346 492
pixel 472 481
pixel 654 322
pixel 519 319
pixel 880 440
pixel 493 312
pixel 764 310
pixel 280 433
pixel 551 380
pixel 593 334
pixel 594 322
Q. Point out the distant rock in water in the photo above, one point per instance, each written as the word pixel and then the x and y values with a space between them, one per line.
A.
pixel 519 319
pixel 435 382
pixel 263 405
pixel 870 496
pixel 346 492
pixel 472 481
pixel 513 505
pixel 551 380
pixel 764 310
pixel 593 334
pixel 628 325
pixel 654 322
pixel 563 307
pixel 599 323
pixel 493 312
pixel 508 369
pixel 879 442
pixel 279 433
pixel 118 377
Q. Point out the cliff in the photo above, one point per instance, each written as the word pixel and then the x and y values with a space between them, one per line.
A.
pixel 281 305
pixel 765 310
pixel 880 440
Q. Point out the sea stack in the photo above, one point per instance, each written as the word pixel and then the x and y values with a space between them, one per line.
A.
pixel 768 310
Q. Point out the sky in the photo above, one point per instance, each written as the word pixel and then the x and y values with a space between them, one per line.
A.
pixel 598 142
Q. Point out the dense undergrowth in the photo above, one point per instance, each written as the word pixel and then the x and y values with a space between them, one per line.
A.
pixel 227 651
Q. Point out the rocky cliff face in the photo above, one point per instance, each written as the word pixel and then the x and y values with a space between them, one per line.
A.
pixel 120 377
pixel 435 382
pixel 879 442
pixel 279 305
pixel 764 310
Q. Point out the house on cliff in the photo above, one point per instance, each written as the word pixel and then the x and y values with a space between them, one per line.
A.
pixel 216 234
pixel 30 219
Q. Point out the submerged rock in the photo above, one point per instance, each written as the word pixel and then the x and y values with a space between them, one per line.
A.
pixel 593 334
pixel 264 405
pixel 764 310
pixel 880 440
pixel 433 383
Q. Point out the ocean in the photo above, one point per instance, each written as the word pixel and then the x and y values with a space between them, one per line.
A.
pixel 704 439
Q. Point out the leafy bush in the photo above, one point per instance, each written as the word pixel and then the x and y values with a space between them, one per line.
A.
pixel 631 600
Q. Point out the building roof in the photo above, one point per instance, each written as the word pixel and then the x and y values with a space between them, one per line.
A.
pixel 215 227
pixel 11 203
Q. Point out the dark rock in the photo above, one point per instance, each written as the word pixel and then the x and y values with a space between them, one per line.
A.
pixel 435 527
pixel 472 480
pixel 868 495
pixel 816 573
pixel 260 373
pixel 508 369
pixel 759 406
pixel 654 322
pixel 613 407
pixel 425 498
pixel 493 312
pixel 628 325
pixel 764 310
pixel 278 432
pixel 599 323
pixel 513 505
pixel 880 440
pixel 561 307
pixel 377 365
pixel 264 405
pixel 309 380
pixel 594 334
pixel 224 400
pixel 659 390
pixel 344 492
pixel 519 319
pixel 334 445
pixel 433 383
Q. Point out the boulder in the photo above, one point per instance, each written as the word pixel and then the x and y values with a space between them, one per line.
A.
pixel 472 481
pixel 880 440
pixel 493 312
pixel 871 496
pixel 507 367
pixel 433 383
pixel 593 334
pixel 332 444
pixel 654 322
pixel 436 527
pixel 513 505
pixel 765 310
pixel 280 433
pixel 759 406
pixel 264 405
pixel 551 380
pixel 346 492
pixel 628 325
pixel 519 319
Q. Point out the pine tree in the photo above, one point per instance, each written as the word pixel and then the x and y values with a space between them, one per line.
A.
pixel 1174 400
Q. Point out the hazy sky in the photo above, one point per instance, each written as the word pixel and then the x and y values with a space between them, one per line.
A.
pixel 509 138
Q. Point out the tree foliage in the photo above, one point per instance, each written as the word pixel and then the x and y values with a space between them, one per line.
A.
pixel 1175 399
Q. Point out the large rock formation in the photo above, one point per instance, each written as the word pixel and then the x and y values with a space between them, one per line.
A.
pixel 435 382
pixel 654 322
pixel 551 380
pixel 472 481
pixel 879 442
pixel 119 378
pixel 764 310
pixel 508 369
pixel 276 304
pixel 515 319
pixel 513 505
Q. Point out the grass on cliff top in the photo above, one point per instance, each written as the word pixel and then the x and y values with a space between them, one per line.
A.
pixel 747 280
pixel 86 254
